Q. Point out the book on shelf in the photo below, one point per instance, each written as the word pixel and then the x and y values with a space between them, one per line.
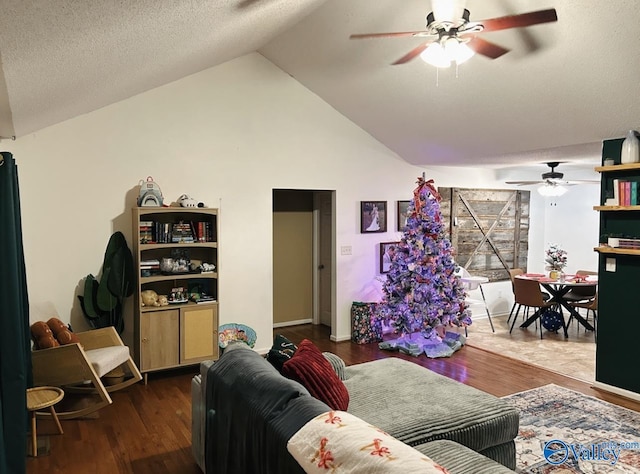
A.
pixel 200 234
pixel 149 267
pixel 205 299
pixel 146 232
pixel 202 231
pixel 181 232
pixel 151 232
pixel 161 232
pixel 626 192
pixel 627 243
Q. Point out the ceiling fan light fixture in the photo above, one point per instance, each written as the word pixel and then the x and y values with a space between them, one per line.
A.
pixel 463 53
pixel 551 190
pixel 435 55
pixel 445 51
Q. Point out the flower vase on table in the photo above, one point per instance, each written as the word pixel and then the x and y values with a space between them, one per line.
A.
pixel 556 260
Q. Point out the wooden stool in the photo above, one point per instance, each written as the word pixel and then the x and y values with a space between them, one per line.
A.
pixel 37 399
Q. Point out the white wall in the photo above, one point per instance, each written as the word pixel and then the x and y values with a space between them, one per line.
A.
pixel 572 223
pixel 226 136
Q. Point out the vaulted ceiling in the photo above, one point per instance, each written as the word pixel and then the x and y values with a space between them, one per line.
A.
pixel 561 90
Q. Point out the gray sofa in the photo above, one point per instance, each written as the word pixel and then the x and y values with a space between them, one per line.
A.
pixel 244 412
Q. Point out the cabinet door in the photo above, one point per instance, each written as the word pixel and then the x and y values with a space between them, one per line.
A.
pixel 198 333
pixel 159 339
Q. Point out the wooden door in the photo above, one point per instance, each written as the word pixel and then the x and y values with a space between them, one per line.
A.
pixel 488 228
pixel 324 234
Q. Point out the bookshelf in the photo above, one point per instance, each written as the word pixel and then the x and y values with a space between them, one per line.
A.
pixel 618 274
pixel 176 256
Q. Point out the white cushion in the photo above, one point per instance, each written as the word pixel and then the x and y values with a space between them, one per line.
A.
pixel 341 443
pixel 106 359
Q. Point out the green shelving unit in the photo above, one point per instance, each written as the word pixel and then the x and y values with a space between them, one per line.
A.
pixel 618 330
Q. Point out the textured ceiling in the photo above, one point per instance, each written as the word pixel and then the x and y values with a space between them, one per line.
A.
pixel 561 90
pixel 63 58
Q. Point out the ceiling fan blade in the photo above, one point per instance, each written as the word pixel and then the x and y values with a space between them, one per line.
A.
pixel 582 181
pixel 518 21
pixel 484 47
pixel 524 183
pixel 413 53
pixel 390 35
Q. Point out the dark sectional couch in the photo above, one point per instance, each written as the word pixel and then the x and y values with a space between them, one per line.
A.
pixel 245 411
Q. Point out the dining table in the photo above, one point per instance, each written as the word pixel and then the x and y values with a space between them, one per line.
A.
pixel 557 289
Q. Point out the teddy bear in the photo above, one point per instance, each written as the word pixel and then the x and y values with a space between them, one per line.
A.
pixel 162 300
pixel 149 298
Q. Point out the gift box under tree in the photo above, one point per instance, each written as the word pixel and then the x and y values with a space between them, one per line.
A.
pixel 366 326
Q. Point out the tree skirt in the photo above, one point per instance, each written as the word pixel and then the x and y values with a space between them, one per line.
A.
pixel 415 344
pixel 592 436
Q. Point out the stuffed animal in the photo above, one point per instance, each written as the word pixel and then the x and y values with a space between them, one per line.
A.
pixel 42 336
pixel 61 332
pixel 149 298
pixel 162 300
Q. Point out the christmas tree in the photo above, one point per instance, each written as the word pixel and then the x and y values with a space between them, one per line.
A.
pixel 422 292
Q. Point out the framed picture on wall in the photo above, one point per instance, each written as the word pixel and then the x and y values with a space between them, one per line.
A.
pixel 373 216
pixel 402 214
pixel 387 251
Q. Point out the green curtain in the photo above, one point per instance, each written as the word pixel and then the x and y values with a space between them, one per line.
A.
pixel 15 346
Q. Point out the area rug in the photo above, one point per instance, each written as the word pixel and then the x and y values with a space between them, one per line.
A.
pixel 574 357
pixel 562 431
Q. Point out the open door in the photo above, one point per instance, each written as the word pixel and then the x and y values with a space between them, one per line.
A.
pixel 303 257
pixel 323 208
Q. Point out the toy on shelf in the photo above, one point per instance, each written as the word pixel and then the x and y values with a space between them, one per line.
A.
pixel 151 298
pixel 187 201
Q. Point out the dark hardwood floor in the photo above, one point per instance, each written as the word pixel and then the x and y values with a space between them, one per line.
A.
pixel 147 429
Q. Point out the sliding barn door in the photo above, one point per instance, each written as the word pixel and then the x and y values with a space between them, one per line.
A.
pixel 488 228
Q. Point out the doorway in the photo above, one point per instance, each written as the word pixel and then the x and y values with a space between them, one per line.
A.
pixel 303 257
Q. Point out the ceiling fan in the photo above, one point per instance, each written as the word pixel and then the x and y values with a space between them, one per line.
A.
pixel 553 182
pixel 450 36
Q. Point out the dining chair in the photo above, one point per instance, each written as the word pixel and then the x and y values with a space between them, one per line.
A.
pixel 528 294
pixel 512 274
pixel 582 293
pixel 589 305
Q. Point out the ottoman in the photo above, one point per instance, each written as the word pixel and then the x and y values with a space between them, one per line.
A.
pixel 416 405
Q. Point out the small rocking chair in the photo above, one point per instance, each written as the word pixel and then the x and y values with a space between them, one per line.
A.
pixel 79 368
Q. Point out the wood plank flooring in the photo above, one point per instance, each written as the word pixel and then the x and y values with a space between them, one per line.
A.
pixel 148 428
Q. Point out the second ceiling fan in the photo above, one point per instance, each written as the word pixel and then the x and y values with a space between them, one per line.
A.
pixel 553 182
pixel 451 36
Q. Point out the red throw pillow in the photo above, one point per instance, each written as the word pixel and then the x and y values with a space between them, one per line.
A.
pixel 309 367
